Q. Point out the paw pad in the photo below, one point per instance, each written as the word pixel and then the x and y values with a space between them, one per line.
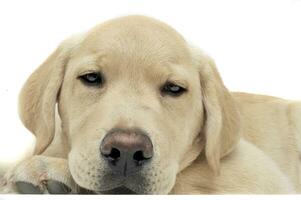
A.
pixel 53 187
pixel 28 188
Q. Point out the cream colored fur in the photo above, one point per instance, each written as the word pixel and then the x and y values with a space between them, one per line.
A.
pixel 207 141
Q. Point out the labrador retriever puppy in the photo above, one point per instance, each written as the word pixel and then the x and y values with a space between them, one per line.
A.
pixel 131 108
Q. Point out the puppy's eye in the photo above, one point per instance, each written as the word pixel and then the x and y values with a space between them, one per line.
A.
pixel 172 89
pixel 92 79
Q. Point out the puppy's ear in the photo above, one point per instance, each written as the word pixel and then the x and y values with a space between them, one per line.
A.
pixel 222 120
pixel 39 95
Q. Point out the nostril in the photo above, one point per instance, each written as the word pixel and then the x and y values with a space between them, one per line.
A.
pixel 139 157
pixel 115 153
pixel 113 156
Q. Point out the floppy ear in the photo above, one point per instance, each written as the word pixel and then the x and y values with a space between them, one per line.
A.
pixel 222 120
pixel 39 95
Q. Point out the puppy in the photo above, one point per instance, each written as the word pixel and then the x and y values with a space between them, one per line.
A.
pixel 131 108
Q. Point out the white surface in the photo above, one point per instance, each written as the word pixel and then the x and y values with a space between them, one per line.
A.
pixel 150 197
pixel 256 44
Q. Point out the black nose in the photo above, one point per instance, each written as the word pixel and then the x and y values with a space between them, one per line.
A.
pixel 126 150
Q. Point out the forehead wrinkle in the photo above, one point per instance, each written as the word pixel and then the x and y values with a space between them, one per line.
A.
pixel 124 53
pixel 138 39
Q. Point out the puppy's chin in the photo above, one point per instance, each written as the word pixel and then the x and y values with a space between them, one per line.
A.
pixel 119 190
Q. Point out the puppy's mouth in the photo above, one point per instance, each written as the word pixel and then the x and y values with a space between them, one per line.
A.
pixel 119 190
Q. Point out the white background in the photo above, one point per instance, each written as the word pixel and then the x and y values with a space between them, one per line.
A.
pixel 256 44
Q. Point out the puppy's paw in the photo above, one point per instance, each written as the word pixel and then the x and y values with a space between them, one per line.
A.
pixel 40 175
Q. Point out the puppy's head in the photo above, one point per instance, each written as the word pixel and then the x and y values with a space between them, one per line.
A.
pixel 137 105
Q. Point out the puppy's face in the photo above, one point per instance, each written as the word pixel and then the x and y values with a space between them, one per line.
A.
pixel 130 103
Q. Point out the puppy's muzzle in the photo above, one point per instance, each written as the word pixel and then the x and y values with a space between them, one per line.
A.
pixel 126 151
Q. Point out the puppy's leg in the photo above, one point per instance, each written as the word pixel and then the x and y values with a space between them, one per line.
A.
pixel 40 175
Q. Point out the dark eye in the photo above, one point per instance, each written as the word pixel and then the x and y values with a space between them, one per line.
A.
pixel 172 89
pixel 92 79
